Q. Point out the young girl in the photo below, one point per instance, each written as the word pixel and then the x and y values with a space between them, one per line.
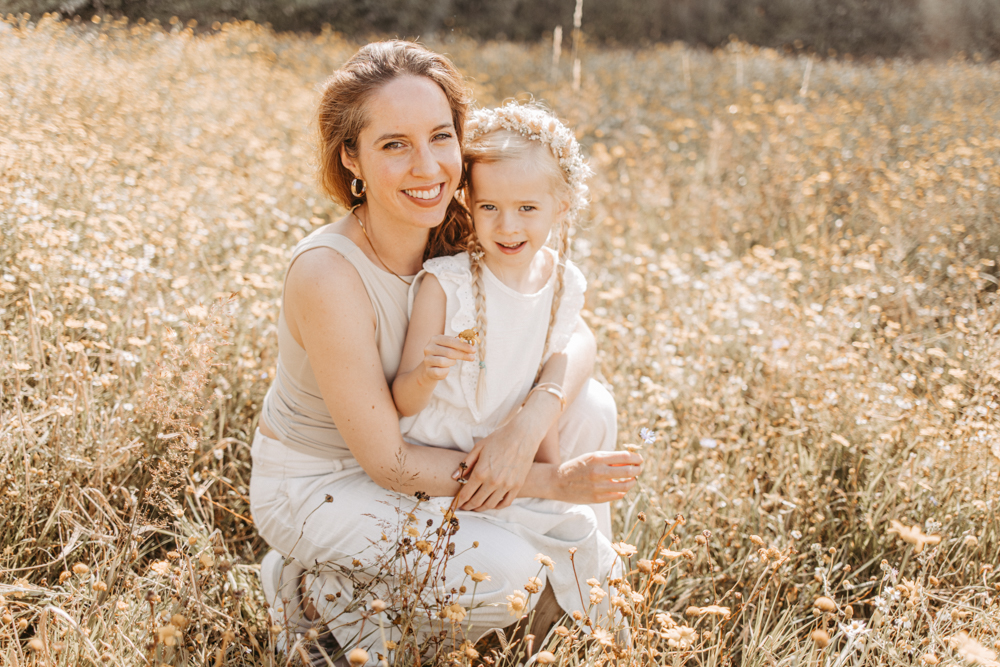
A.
pixel 483 322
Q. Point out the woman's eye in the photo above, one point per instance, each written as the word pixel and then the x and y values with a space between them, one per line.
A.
pixel 528 207
pixel 393 145
pixel 488 207
pixel 443 135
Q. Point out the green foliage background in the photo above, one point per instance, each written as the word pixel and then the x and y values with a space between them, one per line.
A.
pixel 918 28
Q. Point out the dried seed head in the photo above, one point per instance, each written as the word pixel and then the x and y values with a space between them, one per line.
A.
pixel 821 637
pixel 357 657
pixel 378 606
pixel 929 659
pixel 35 644
pixel 545 658
pixel 80 568
pixel 825 604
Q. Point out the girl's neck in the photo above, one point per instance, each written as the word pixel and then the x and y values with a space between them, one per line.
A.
pixel 397 245
pixel 528 279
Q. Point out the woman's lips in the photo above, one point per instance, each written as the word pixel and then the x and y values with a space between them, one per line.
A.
pixel 428 197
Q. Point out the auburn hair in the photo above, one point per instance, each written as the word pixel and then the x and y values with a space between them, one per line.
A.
pixel 343 114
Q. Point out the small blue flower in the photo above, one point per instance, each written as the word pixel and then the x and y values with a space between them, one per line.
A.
pixel 647 436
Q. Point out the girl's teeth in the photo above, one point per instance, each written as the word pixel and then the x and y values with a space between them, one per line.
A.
pixel 424 194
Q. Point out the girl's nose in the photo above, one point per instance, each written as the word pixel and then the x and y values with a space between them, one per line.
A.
pixel 507 222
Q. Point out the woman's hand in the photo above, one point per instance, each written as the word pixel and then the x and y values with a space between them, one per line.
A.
pixel 495 470
pixel 597 477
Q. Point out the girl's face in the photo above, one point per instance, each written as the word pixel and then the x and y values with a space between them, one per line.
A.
pixel 514 209
pixel 408 154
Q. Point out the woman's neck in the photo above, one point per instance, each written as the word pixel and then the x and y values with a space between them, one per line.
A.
pixel 400 247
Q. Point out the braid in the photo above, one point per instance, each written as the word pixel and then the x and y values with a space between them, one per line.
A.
pixel 479 293
pixel 560 270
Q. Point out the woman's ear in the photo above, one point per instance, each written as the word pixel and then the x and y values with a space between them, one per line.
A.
pixel 349 162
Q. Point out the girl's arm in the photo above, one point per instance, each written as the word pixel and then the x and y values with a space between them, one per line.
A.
pixel 427 353
pixel 500 463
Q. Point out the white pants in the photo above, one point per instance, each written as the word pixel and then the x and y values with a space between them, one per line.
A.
pixel 328 513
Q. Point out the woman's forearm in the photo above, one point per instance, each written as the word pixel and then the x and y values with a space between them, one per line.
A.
pixel 419 468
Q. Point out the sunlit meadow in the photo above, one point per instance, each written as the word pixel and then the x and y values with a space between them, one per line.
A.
pixel 793 283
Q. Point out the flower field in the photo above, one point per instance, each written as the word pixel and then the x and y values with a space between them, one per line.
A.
pixel 793 281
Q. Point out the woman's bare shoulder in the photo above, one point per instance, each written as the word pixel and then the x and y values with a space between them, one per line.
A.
pixel 323 282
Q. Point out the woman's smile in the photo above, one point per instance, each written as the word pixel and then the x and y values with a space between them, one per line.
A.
pixel 426 196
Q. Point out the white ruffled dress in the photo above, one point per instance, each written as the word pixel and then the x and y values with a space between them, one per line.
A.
pixel 516 325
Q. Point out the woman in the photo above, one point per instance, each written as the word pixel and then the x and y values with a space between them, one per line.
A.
pixel 329 464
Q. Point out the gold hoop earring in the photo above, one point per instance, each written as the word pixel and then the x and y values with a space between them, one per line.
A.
pixel 355 187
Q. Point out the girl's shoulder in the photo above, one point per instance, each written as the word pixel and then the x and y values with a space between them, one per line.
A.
pixel 452 268
pixel 574 276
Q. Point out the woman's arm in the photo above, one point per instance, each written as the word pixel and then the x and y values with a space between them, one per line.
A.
pixel 427 353
pixel 330 314
pixel 500 463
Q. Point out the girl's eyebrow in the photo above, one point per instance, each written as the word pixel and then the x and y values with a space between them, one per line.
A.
pixel 400 135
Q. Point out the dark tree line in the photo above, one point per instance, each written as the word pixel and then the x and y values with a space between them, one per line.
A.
pixel 916 28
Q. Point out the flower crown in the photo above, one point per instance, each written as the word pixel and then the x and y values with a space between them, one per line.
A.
pixel 537 124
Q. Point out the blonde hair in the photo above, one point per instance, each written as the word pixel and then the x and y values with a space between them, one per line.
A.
pixel 513 132
pixel 343 114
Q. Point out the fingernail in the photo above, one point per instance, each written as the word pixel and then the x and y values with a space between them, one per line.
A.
pixel 454 475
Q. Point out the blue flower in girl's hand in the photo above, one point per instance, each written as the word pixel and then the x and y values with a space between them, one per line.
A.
pixel 647 436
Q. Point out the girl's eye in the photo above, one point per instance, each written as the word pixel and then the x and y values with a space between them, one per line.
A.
pixel 528 207
pixel 488 207
pixel 443 135
pixel 392 145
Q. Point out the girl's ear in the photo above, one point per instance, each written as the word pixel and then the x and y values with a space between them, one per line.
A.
pixel 563 208
pixel 349 162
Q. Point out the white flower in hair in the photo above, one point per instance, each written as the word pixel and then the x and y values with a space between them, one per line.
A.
pixel 537 124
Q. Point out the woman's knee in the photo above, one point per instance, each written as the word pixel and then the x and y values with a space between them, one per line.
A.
pixel 590 422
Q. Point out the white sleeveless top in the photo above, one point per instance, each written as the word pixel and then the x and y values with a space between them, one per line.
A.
pixel 293 407
pixel 515 335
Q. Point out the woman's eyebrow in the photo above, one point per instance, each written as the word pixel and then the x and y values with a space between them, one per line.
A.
pixel 400 135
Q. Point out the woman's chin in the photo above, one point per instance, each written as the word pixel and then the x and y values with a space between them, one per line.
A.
pixel 427 216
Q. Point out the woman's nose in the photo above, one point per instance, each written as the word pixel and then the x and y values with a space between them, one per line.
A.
pixel 424 162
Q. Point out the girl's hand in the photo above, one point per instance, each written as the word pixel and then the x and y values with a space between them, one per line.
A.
pixel 440 354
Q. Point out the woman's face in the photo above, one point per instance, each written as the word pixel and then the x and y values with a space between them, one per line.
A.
pixel 408 153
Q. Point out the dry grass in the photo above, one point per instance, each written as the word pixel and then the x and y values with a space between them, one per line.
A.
pixel 793 283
